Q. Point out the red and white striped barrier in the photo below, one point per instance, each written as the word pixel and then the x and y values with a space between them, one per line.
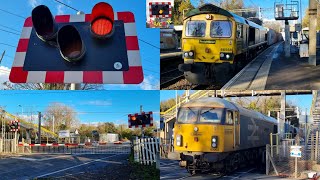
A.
pixel 53 144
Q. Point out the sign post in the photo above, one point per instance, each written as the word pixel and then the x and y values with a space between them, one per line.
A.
pixel 295 151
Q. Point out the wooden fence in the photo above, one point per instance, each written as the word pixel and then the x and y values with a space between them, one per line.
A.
pixel 9 142
pixel 146 150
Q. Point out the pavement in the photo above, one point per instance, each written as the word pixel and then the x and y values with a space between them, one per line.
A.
pixel 53 166
pixel 293 72
pixel 170 170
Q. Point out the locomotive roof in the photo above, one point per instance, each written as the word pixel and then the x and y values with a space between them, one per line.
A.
pixel 210 8
pixel 222 103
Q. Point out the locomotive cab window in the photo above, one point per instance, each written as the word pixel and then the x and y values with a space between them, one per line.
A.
pixel 229 117
pixel 210 115
pixel 187 115
pixel 220 29
pixel 196 28
pixel 239 31
pixel 236 117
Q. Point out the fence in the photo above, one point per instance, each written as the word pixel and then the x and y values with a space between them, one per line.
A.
pixel 166 146
pixel 279 162
pixel 146 150
pixel 108 148
pixel 8 143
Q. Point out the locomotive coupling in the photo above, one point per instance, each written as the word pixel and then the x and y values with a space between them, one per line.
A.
pixel 183 163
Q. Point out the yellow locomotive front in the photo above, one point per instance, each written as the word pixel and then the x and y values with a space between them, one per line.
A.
pixel 203 135
pixel 208 45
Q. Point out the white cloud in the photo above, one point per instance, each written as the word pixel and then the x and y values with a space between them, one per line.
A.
pixel 97 103
pixel 4 76
pixel 34 3
pixel 150 83
pixel 60 9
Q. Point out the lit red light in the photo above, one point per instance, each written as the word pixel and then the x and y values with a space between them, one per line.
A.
pixel 102 19
pixel 101 26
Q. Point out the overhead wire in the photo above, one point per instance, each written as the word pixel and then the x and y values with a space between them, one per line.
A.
pixel 8 12
pixel 149 43
pixel 67 5
pixel 9 32
pixel 9 28
pixel 8 44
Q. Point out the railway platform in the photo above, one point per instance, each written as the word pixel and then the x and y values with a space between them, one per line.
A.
pixel 273 71
pixel 169 54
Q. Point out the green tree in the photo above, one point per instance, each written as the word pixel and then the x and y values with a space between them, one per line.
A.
pixel 305 20
pixel 180 7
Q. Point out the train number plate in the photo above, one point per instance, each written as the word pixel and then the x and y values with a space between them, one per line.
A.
pixel 207 41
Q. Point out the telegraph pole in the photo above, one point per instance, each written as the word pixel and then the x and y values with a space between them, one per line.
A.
pixel 312 32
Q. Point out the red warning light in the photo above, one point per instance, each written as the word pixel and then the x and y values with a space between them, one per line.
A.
pixel 102 20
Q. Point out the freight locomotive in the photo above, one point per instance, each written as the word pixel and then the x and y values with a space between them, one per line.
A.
pixel 213 134
pixel 217 43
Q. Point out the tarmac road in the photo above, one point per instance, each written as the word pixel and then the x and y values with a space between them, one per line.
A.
pixel 44 165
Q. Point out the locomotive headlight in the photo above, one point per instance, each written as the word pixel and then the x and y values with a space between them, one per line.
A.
pixel 227 56
pixel 185 54
pixel 214 145
pixel 190 53
pixel 195 129
pixel 221 55
pixel 179 140
pixel 214 141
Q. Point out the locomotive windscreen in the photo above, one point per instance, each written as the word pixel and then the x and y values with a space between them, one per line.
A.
pixel 199 115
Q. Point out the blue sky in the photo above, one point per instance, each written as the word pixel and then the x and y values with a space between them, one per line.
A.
pixel 149 54
pixel 263 4
pixel 302 101
pixel 95 106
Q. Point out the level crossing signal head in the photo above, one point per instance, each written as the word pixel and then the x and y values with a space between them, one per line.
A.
pixel 160 9
pixel 84 48
pixel 102 20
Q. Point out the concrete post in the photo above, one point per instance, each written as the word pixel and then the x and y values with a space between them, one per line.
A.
pixel 282 113
pixel 39 128
pixel 312 32
pixel 287 39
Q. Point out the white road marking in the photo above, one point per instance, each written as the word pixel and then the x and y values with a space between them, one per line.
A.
pixel 34 159
pixel 165 164
pixel 76 166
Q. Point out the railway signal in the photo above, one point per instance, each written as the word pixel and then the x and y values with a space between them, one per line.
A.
pixel 101 48
pixel 14 125
pixel 160 9
pixel 139 120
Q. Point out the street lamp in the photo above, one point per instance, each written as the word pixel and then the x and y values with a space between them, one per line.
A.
pixel 21 109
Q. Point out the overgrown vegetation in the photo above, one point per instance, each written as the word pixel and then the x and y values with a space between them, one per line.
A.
pixel 143 172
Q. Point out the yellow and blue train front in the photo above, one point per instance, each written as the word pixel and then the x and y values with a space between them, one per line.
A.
pixel 208 48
